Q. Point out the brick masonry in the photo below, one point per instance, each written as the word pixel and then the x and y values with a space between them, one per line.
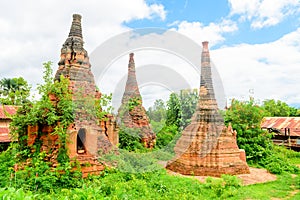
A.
pixel 207 147
pixel 135 117
pixel 87 135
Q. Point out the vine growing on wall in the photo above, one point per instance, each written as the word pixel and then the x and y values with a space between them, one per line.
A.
pixel 134 102
pixel 55 108
pixel 130 138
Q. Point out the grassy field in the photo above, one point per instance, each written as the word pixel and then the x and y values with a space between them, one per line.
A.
pixel 160 185
pixel 157 184
pixel 163 186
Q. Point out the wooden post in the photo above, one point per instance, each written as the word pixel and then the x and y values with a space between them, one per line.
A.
pixel 289 137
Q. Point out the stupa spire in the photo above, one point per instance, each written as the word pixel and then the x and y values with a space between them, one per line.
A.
pixel 206 75
pixel 75 30
pixel 207 147
pixel 75 65
pixel 131 88
pixel 131 59
pixel 74 58
pixel 207 100
pixel 132 114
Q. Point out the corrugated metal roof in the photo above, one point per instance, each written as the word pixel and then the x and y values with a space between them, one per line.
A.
pixel 281 123
pixel 4 134
pixel 6 111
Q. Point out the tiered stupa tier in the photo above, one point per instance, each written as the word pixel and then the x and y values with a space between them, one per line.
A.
pixel 132 114
pixel 207 147
pixel 74 63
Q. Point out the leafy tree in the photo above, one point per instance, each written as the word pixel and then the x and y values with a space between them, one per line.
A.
pixel 174 111
pixel 279 109
pixel 181 107
pixel 14 91
pixel 158 111
pixel 166 135
pixel 45 112
pixel 7 85
pixel 177 114
pixel 129 139
pixel 245 117
pixel 189 100
pixel 55 108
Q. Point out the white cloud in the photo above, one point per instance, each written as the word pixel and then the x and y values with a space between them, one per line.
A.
pixel 271 69
pixel 264 13
pixel 165 60
pixel 212 33
pixel 158 10
pixel 33 31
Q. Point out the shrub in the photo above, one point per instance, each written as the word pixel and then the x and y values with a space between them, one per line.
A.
pixel 277 161
pixel 224 187
pixel 129 139
pixel 166 135
pixel 6 168
pixel 297 182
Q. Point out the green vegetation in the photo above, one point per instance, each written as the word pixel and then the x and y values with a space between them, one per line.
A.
pixel 14 91
pixel 280 188
pixel 181 107
pixel 44 112
pixel 113 184
pixel 139 177
pixel 157 112
pixel 279 109
pixel 134 102
pixel 167 135
pixel 170 118
pixel 245 117
pixel 27 173
pixel 129 139
pixel 29 167
pixel 174 111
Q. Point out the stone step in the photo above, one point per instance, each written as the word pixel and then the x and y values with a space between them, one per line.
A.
pixel 92 170
pixel 84 158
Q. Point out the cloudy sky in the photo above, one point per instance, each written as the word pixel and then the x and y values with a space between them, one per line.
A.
pixel 254 44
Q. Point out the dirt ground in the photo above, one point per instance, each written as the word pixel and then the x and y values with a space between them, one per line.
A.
pixel 256 176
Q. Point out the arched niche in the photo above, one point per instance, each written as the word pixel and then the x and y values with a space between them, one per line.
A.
pixel 81 141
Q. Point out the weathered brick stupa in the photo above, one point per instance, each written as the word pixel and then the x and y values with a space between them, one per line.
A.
pixel 131 113
pixel 87 136
pixel 207 147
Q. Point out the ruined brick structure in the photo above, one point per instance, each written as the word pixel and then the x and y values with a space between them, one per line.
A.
pixel 75 65
pixel 132 114
pixel 87 135
pixel 207 147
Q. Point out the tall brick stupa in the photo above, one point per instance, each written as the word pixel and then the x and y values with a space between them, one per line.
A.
pixel 207 147
pixel 87 135
pixel 131 113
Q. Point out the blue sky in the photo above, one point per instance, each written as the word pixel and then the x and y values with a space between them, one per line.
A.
pixel 214 11
pixel 254 44
pixel 254 25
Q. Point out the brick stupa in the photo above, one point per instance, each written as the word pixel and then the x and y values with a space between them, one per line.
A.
pixel 131 113
pixel 87 136
pixel 207 147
